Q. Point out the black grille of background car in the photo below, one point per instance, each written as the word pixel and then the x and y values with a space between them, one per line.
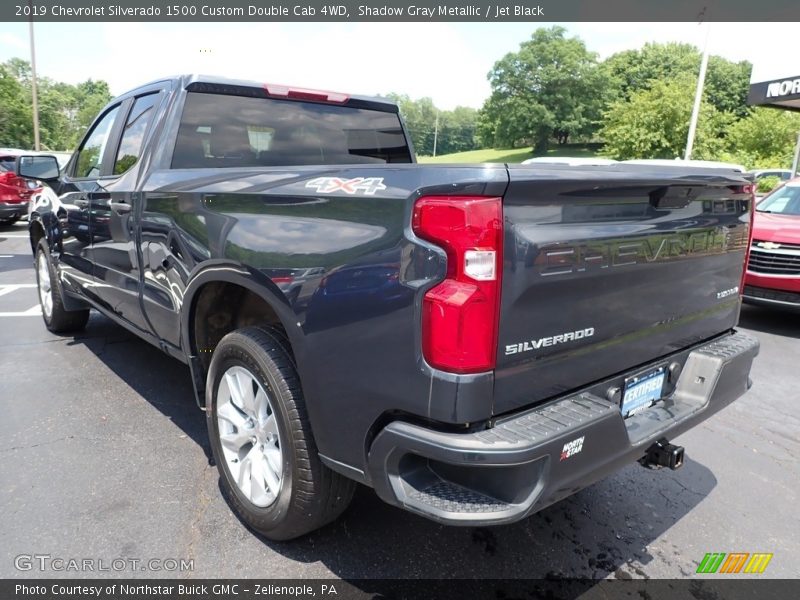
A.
pixel 767 294
pixel 784 260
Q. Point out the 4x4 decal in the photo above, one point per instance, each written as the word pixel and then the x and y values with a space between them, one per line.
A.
pixel 364 185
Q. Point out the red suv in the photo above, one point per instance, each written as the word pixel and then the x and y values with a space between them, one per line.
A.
pixel 15 192
pixel 773 272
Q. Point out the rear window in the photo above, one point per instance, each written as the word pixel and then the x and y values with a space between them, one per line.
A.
pixel 235 131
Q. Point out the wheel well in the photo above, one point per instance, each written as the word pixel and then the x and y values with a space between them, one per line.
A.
pixel 37 233
pixel 221 307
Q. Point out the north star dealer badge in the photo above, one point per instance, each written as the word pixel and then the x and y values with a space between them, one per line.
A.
pixel 572 448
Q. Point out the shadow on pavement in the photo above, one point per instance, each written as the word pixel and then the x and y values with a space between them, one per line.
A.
pixel 776 321
pixel 607 529
pixel 603 530
pixel 162 381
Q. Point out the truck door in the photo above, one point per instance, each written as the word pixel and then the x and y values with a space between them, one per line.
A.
pixel 79 191
pixel 114 214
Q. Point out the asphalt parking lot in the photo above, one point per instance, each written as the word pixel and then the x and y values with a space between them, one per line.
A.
pixel 103 454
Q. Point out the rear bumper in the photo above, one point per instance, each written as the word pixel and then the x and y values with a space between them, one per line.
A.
pixel 11 209
pixel 518 467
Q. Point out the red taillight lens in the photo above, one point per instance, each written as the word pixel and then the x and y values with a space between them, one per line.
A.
pixel 7 177
pixel 460 315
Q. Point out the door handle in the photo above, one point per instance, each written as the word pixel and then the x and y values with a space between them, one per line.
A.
pixel 120 207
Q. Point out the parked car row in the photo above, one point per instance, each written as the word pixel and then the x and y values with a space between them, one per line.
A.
pixel 15 191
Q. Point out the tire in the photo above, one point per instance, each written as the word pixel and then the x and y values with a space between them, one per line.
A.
pixel 281 451
pixel 9 221
pixel 56 318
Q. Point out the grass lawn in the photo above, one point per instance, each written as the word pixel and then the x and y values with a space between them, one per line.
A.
pixel 510 155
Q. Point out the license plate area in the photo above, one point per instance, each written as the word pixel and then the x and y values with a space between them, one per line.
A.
pixel 642 391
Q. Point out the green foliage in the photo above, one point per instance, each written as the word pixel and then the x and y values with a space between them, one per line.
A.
pixel 764 139
pixel 654 123
pixel 456 128
pixel 65 111
pixel 726 84
pixel 631 71
pixel 767 184
pixel 510 155
pixel 551 86
pixel 16 125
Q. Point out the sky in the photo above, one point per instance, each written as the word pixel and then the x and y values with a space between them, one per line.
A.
pixel 445 61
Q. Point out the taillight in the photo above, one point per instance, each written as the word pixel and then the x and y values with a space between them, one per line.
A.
pixel 460 315
pixel 6 177
pixel 752 202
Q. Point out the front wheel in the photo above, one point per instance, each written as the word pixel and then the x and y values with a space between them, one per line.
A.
pixel 56 318
pixel 262 441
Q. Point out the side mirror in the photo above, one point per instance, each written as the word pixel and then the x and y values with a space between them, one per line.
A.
pixel 42 166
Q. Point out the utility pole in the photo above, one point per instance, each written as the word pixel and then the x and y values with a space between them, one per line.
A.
pixel 796 156
pixel 36 145
pixel 435 132
pixel 698 97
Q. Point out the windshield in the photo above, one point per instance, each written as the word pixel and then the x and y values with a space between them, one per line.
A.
pixel 785 201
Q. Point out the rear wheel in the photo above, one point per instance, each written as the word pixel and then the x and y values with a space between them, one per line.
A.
pixel 262 441
pixel 9 220
pixel 56 318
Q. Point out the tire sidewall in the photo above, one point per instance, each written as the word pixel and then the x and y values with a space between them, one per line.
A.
pixel 42 250
pixel 234 351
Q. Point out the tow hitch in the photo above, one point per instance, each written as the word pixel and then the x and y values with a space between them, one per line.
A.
pixel 663 454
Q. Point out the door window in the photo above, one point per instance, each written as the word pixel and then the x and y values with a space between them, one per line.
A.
pixel 130 147
pixel 90 156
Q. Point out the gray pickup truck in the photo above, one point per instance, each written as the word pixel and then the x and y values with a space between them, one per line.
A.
pixel 474 342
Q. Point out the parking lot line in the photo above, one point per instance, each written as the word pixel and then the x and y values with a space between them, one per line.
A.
pixel 31 312
pixel 7 288
pixel 13 235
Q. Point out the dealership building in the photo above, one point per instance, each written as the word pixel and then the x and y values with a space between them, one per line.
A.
pixel 777 92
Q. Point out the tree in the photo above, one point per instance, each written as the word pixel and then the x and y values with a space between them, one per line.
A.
pixel 764 139
pixel 16 125
pixel 727 85
pixel 551 87
pixel 456 128
pixel 654 123
pixel 630 71
pixel 65 111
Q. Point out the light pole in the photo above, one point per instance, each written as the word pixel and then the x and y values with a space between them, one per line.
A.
pixel 436 132
pixel 36 145
pixel 698 97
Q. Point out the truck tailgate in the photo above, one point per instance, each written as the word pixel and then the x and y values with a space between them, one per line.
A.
pixel 612 267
